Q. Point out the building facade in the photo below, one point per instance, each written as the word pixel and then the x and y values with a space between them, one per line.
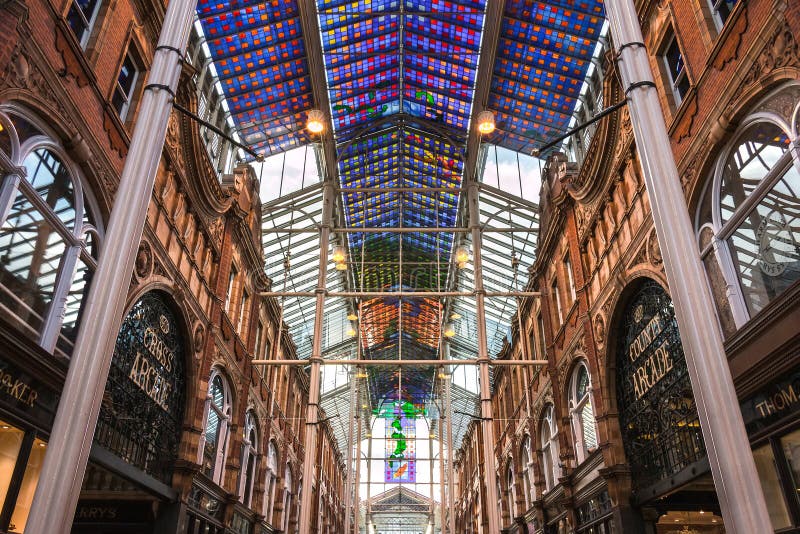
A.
pixel 606 438
pixel 191 437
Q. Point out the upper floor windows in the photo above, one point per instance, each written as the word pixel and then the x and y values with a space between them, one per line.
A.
pixel 527 472
pixel 214 440
pixel 570 279
pixel 126 84
pixel 676 68
pixel 81 17
pixel 752 208
pixel 559 310
pixel 550 452
pixel 249 464
pixel 48 236
pixel 512 493
pixel 581 413
pixel 272 481
pixel 722 10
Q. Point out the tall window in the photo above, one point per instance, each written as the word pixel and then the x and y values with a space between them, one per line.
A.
pixel 272 479
pixel 752 206
pixel 676 69
pixel 231 287
pixel 550 453
pixel 48 238
pixel 126 84
pixel 570 279
pixel 527 472
pixel 214 441
pixel 81 18
pixel 287 498
pixel 722 10
pixel 249 458
pixel 581 413
pixel 557 303
pixel 511 495
pixel 243 311
pixel 540 333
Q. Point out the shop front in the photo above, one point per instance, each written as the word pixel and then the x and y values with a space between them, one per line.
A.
pixel 672 488
pixel 772 420
pixel 28 403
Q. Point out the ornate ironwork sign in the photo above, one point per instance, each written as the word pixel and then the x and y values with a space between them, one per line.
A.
pixel 141 415
pixel 657 414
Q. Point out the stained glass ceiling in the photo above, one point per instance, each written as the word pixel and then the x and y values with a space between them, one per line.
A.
pixel 402 81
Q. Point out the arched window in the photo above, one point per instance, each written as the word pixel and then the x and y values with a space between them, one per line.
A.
pixel 287 498
pixel 48 235
pixel 272 478
pixel 214 441
pixel 527 472
pixel 511 494
pixel 550 453
pixel 581 413
pixel 249 458
pixel 752 208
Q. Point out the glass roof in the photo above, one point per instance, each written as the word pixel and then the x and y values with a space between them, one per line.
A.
pixel 399 81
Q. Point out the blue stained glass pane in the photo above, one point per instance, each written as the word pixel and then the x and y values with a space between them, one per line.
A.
pixel 247 17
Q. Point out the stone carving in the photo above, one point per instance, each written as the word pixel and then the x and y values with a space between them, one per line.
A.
pixel 144 260
pixel 599 330
pixel 198 337
pixel 781 51
pixel 653 250
pixel 782 104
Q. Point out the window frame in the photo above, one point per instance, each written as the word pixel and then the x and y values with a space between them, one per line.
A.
pixel 550 449
pixel 669 39
pixel 247 471
pixel 576 409
pixel 719 22
pixel 271 483
pixel 87 221
pixel 526 457
pixel 129 98
pixel 724 229
pixel 88 29
pixel 223 432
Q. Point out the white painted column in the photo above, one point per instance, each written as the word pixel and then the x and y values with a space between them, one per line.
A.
pixel 487 421
pixel 60 481
pixel 448 402
pixel 735 477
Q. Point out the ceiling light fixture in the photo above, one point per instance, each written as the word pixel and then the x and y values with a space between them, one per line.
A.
pixel 449 330
pixel 462 256
pixel 486 122
pixel 352 317
pixel 315 122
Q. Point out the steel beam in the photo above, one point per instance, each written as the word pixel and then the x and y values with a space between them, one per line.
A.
pixel 400 230
pixel 395 363
pixel 400 294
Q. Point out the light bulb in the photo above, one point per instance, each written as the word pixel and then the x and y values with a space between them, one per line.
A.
pixel 486 123
pixel 449 330
pixel 339 254
pixel 315 121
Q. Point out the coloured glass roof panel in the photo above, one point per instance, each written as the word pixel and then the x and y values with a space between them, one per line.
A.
pixel 543 55
pixel 260 58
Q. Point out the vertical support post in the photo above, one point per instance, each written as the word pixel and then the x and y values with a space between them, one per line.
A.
pixel 448 401
pixel 312 411
pixel 487 422
pixel 62 473
pixel 442 506
pixel 348 497
pixel 356 499
pixel 736 480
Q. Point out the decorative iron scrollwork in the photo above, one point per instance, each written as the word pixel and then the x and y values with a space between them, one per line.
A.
pixel 657 413
pixel 142 410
